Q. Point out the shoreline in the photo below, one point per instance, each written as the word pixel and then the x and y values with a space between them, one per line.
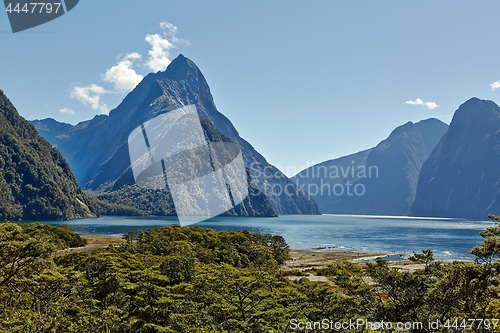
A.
pixel 402 217
pixel 323 255
pixel 315 256
pixel 309 232
pixel 307 259
pixel 302 260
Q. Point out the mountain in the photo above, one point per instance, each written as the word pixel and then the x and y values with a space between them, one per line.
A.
pixel 324 180
pixel 36 183
pixel 461 178
pixel 98 153
pixel 376 181
pixel 153 197
pixel 51 129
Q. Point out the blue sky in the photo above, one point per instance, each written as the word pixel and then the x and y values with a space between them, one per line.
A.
pixel 302 81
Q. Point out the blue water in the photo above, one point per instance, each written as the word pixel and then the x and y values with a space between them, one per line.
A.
pixel 448 238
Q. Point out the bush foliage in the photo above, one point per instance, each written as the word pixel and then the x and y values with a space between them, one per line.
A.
pixel 36 182
pixel 191 279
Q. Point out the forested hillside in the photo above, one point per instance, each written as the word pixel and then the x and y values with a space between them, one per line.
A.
pixel 35 180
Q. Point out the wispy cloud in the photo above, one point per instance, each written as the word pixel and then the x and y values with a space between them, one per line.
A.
pixel 495 85
pixel 159 54
pixel 67 111
pixel 90 96
pixel 418 101
pixel 123 74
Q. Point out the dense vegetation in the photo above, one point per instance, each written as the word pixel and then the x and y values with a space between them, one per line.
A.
pixel 191 279
pixel 132 200
pixel 36 182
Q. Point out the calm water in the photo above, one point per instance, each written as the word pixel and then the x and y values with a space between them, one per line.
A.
pixel 448 238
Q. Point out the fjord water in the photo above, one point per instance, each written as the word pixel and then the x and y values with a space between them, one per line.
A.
pixel 448 238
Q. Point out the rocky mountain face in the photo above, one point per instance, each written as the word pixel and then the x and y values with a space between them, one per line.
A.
pixel 98 153
pixel 461 178
pixel 329 181
pixel 36 182
pixel 151 194
pixel 378 181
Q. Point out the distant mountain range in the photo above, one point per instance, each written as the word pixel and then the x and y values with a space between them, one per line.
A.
pixel 98 153
pixel 421 169
pixel 378 181
pixel 36 183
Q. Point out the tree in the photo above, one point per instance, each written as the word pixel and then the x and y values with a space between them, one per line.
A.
pixel 489 250
pixel 19 252
pixel 426 257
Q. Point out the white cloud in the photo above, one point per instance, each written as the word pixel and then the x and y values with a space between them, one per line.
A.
pixel 431 105
pixel 171 33
pixel 169 26
pixel 428 105
pixel 67 111
pixel 159 54
pixel 418 101
pixel 90 96
pixel 123 75
pixel 495 85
